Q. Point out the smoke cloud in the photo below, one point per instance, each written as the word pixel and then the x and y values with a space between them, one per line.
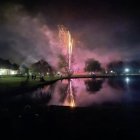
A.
pixel 26 38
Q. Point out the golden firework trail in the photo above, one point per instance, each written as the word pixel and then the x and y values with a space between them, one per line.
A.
pixel 67 41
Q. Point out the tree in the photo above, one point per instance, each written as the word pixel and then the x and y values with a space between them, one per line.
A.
pixel 8 65
pixel 116 66
pixel 41 67
pixel 24 69
pixel 5 64
pixel 63 64
pixel 92 65
pixel 134 65
pixel 15 66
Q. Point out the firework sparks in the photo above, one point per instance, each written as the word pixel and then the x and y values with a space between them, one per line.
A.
pixel 66 41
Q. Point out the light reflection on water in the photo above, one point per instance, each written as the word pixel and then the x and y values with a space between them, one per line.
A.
pixel 87 92
pixel 77 92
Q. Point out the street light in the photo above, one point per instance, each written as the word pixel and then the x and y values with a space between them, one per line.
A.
pixel 111 71
pixel 126 70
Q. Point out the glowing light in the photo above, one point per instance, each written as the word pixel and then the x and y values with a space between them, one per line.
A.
pixel 70 45
pixel 127 70
pixel 7 72
pixel 12 72
pixel 67 41
pixel 69 101
pixel 127 80
pixel 3 71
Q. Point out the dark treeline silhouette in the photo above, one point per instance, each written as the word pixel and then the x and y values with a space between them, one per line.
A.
pixel 117 66
pixel 92 65
pixel 114 66
pixel 41 67
pixel 8 65
pixel 134 65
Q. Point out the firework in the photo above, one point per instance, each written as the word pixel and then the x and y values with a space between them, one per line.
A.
pixel 67 42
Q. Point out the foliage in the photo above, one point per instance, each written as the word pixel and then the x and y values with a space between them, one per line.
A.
pixel 8 65
pixel 41 67
pixel 134 65
pixel 116 66
pixel 24 69
pixel 62 62
pixel 92 65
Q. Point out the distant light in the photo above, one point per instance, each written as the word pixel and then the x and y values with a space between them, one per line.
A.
pixel 12 72
pixel 127 80
pixel 7 72
pixel 3 71
pixel 127 70
pixel 30 73
pixel 111 71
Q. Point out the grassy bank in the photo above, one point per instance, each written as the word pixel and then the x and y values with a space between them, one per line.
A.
pixel 10 84
pixel 20 84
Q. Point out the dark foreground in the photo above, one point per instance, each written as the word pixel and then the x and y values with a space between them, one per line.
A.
pixel 109 121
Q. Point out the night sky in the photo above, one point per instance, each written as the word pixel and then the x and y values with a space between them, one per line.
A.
pixel 104 30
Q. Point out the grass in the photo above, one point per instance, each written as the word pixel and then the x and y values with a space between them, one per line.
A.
pixel 14 84
pixel 10 84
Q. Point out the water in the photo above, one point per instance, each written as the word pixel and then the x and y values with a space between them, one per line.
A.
pixel 108 107
pixel 79 93
pixel 90 92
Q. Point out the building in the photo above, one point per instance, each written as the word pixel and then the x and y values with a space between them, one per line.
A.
pixel 8 68
pixel 4 71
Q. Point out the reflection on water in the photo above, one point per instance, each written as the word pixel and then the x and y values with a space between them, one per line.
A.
pixel 80 92
pixel 28 113
pixel 64 94
pixel 88 92
pixel 69 100
pixel 127 80
pixel 94 85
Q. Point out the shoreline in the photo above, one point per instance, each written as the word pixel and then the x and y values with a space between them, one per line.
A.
pixel 100 76
pixel 25 85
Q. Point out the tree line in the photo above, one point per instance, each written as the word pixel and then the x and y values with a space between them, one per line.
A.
pixel 91 65
pixel 116 66
pixel 6 64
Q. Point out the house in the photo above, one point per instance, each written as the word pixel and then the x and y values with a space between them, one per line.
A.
pixel 7 68
pixel 4 71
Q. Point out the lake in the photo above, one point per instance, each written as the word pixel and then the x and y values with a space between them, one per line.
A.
pixel 81 93
pixel 109 107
